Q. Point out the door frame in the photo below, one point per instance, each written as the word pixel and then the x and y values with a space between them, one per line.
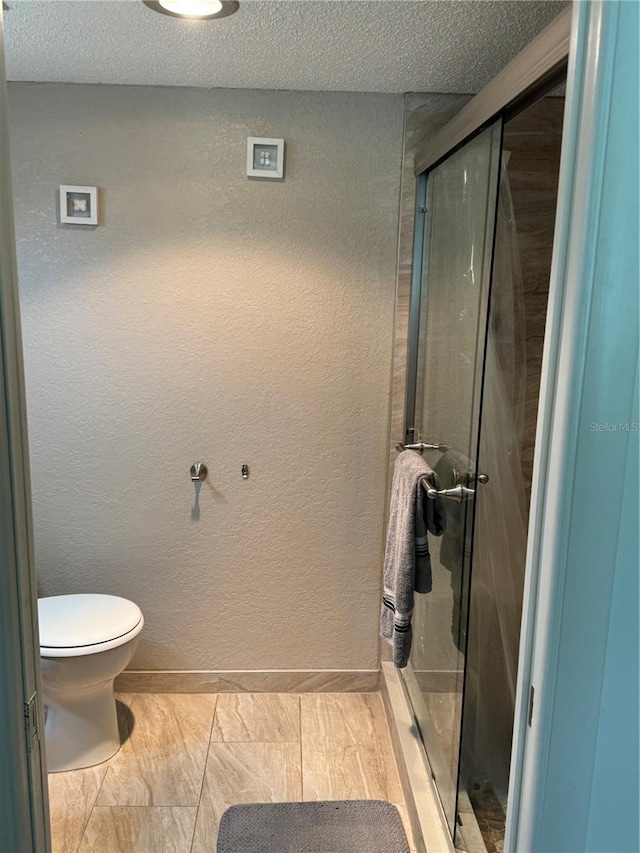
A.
pixel 593 267
pixel 23 778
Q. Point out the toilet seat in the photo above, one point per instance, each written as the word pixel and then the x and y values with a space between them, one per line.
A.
pixel 85 624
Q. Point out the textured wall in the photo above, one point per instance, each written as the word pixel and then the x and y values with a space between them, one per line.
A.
pixel 218 319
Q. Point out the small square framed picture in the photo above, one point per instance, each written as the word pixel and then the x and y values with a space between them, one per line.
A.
pixel 79 205
pixel 265 158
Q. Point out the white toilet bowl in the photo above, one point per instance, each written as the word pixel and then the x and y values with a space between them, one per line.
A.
pixel 85 642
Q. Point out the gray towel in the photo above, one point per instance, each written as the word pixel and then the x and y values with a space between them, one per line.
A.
pixel 407 565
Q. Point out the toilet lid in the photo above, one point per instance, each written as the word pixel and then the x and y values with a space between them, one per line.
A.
pixel 70 621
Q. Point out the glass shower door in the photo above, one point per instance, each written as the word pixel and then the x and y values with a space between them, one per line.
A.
pixel 454 252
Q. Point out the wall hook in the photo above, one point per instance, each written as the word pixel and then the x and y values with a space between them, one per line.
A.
pixel 198 471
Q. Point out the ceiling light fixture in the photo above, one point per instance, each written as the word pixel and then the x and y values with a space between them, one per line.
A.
pixel 198 10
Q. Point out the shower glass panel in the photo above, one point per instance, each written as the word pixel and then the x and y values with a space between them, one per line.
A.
pixel 511 386
pixel 456 253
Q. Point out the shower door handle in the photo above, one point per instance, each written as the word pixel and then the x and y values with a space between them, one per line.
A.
pixel 459 494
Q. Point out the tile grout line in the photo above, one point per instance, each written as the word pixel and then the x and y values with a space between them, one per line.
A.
pixel 161 806
pixel 204 772
pixel 151 808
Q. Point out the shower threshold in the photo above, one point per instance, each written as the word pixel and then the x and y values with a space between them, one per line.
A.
pixel 427 818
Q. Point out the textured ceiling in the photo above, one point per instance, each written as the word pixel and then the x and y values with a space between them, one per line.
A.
pixel 340 45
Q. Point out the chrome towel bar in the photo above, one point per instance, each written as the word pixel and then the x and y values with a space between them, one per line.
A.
pixel 420 446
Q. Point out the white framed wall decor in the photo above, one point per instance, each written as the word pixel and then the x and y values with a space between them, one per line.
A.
pixel 265 158
pixel 78 205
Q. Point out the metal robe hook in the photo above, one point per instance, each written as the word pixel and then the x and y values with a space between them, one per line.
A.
pixel 198 472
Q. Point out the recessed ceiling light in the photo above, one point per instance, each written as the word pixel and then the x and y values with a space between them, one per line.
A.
pixel 199 10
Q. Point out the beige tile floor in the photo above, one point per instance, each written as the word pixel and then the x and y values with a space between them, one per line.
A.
pixel 187 757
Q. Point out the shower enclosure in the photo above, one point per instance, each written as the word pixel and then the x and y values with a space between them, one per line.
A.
pixel 480 274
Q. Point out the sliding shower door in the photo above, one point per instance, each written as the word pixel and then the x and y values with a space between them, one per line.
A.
pixel 452 269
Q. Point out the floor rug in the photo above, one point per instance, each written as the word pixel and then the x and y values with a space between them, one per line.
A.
pixel 336 826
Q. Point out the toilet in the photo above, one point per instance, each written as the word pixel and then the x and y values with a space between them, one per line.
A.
pixel 86 640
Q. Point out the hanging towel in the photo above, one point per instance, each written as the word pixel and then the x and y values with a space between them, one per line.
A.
pixel 407 564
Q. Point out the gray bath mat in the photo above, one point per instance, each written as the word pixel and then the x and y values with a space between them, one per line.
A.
pixel 337 826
